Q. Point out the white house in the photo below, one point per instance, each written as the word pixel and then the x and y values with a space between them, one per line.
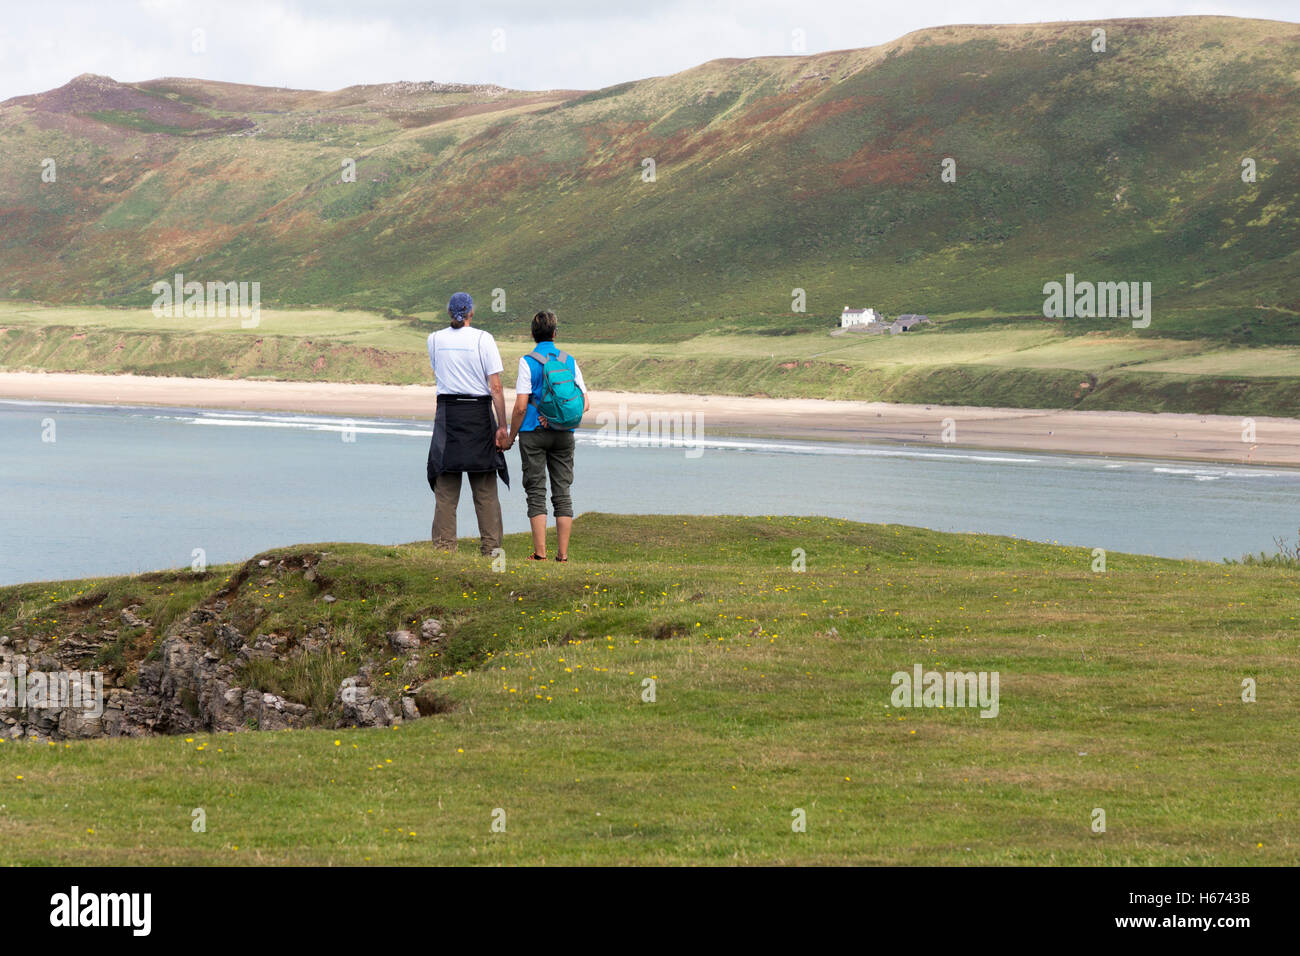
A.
pixel 850 317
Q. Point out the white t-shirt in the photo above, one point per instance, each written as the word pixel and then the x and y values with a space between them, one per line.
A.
pixel 524 380
pixel 462 359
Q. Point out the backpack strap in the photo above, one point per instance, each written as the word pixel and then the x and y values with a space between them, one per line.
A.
pixel 540 359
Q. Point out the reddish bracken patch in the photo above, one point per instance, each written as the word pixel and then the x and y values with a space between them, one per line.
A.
pixel 485 184
pixel 685 144
pixel 629 141
pixel 896 159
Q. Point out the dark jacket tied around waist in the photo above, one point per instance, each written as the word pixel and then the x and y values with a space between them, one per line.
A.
pixel 464 438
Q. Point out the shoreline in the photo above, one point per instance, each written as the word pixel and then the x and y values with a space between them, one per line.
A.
pixel 1163 435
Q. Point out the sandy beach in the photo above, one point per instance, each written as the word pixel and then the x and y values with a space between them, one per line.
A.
pixel 1120 434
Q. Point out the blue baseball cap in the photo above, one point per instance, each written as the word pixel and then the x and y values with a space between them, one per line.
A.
pixel 460 305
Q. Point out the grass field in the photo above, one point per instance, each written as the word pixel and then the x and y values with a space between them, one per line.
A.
pixel 1119 690
pixel 989 360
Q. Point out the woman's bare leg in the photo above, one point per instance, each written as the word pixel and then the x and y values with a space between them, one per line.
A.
pixel 539 535
pixel 563 527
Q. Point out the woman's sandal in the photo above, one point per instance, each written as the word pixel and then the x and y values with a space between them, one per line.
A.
pixel 537 557
pixel 558 558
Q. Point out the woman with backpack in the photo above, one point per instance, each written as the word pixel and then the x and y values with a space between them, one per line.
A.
pixel 550 399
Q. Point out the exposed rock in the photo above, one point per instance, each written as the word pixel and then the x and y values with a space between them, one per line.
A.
pixel 193 679
pixel 262 649
pixel 74 723
pixel 114 716
pixel 410 710
pixel 229 636
pixel 308 645
pixel 329 599
pixel 360 707
pixel 75 648
pixel 129 617
pixel 224 705
pixel 270 714
pixel 403 642
pixel 431 629
pixel 42 721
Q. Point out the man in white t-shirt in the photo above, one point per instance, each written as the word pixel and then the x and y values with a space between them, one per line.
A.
pixel 467 370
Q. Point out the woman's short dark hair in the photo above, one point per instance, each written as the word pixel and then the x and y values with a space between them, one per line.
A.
pixel 544 326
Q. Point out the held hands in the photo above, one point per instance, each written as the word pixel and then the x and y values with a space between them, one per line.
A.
pixel 504 441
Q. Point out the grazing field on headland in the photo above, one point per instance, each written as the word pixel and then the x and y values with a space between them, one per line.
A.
pixel 993 362
pixel 1120 690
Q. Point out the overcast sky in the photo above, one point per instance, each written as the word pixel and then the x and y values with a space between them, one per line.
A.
pixel 525 44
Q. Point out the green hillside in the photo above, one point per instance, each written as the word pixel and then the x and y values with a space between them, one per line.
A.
pixel 819 172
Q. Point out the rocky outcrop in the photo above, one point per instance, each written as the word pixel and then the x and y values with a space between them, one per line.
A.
pixel 360 707
pixel 193 680
pixel 192 686
pixel 356 700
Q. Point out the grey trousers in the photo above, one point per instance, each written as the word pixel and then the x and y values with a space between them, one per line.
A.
pixel 487 506
pixel 543 452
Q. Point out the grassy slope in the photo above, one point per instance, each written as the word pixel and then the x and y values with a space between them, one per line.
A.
pixel 975 362
pixel 1119 690
pixel 817 172
pixel 812 172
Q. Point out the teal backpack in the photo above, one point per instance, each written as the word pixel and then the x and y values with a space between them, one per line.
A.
pixel 561 400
